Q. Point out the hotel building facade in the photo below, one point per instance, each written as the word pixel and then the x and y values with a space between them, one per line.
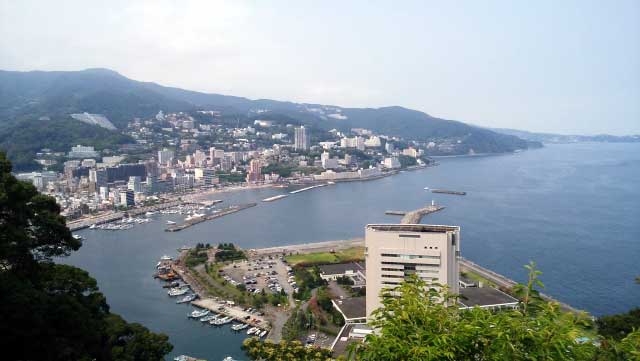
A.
pixel 395 251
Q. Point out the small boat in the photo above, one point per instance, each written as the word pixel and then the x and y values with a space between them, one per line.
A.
pixel 222 321
pixel 252 330
pixel 228 358
pixel 177 292
pixel 208 318
pixel 77 238
pixel 215 319
pixel 426 188
pixel 239 327
pixel 198 313
pixel 263 333
pixel 187 298
pixel 93 226
pixel 171 285
pixel 171 222
pixel 165 258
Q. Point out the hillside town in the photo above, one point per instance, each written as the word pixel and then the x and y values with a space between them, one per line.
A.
pixel 179 153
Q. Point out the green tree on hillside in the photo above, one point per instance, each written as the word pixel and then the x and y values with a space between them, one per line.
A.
pixel 425 324
pixel 51 311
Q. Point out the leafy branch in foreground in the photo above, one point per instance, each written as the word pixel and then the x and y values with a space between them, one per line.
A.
pixel 424 323
pixel 52 311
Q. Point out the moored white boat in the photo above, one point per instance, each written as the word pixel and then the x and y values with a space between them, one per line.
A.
pixel 198 313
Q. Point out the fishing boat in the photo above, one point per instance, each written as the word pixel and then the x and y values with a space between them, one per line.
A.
pixel 222 321
pixel 198 313
pixel 187 298
pixel 239 327
pixel 215 319
pixel 177 292
pixel 207 318
pixel 171 285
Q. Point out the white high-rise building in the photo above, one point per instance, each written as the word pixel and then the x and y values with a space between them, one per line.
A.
pixel 395 251
pixel 135 184
pixel 301 139
pixel 165 156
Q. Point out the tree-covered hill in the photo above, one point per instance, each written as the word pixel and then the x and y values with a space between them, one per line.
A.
pixel 21 140
pixel 102 91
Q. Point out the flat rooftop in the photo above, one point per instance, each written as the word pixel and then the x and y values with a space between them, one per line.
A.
pixel 352 307
pixel 342 341
pixel 340 268
pixel 484 297
pixel 422 228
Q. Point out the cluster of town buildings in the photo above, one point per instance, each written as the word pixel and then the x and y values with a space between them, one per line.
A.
pixel 178 152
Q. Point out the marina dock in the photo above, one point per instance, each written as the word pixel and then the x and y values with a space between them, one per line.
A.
pixel 114 216
pixel 221 213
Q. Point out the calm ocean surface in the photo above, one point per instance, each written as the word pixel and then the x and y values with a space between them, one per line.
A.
pixel 573 209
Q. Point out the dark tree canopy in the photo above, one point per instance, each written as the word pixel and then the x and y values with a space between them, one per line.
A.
pixel 51 311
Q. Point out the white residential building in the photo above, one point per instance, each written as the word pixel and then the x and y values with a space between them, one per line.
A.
pixel 301 138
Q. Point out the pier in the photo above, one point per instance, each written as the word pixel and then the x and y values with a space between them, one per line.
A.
pixel 308 188
pixel 446 191
pixel 221 213
pixel 414 217
pixel 275 198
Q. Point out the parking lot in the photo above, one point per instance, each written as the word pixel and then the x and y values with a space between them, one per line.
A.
pixel 266 273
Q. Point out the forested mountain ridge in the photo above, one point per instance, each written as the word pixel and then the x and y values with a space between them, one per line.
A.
pixel 57 94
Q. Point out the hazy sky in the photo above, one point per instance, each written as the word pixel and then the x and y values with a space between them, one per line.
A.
pixel 560 66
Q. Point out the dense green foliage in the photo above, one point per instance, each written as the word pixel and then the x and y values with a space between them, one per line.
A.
pixel 297 325
pixel 406 161
pixel 323 298
pixel 283 351
pixel 229 252
pixel 620 325
pixel 423 325
pixel 24 139
pixel 307 279
pixel 282 170
pixel 50 311
pixel 197 255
